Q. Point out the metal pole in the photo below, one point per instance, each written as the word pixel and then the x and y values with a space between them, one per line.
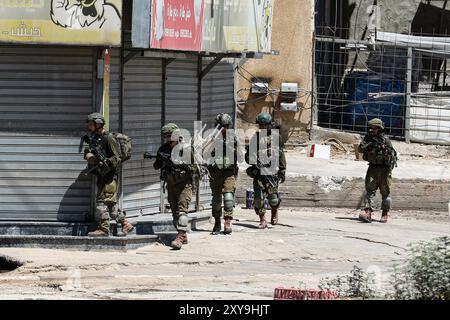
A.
pixel 199 118
pixel 106 86
pixel 162 207
pixel 314 104
pixel 121 120
pixel 408 96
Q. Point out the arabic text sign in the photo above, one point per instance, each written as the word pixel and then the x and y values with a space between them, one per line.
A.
pixel 177 24
pixel 244 25
pixel 88 22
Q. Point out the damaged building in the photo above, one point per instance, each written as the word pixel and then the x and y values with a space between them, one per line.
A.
pixel 386 59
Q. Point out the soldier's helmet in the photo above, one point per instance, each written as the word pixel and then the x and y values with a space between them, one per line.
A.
pixel 224 119
pixel 264 118
pixel 169 129
pixel 96 117
pixel 376 123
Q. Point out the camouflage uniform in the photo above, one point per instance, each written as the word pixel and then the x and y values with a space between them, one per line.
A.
pixel 223 175
pixel 179 182
pixel 104 158
pixel 380 154
pixel 107 183
pixel 379 174
pixel 266 184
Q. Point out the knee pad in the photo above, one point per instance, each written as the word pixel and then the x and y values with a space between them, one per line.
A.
pixel 274 200
pixel 386 203
pixel 216 202
pixel 260 211
pixel 183 220
pixel 228 201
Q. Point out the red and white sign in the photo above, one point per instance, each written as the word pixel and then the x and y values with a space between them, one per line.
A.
pixel 177 24
pixel 300 294
pixel 319 151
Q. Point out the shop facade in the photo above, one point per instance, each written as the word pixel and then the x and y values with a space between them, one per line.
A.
pixel 48 89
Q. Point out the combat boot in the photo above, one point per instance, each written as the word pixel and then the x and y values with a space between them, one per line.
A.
pixel 126 229
pixel 227 229
pixel 217 226
pixel 179 240
pixel 274 219
pixel 366 216
pixel 102 230
pixel 384 216
pixel 262 222
pixel 98 233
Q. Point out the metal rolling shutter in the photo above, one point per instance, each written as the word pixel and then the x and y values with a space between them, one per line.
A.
pixel 218 91
pixel 217 97
pixel 142 122
pixel 181 106
pixel 45 95
pixel 181 93
pixel 114 91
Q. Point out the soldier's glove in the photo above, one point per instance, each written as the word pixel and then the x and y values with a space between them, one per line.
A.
pixel 282 176
pixel 108 163
pixel 91 159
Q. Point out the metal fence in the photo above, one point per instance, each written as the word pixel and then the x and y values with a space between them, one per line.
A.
pixel 401 78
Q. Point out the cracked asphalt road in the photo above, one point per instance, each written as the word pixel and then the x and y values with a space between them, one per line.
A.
pixel 308 245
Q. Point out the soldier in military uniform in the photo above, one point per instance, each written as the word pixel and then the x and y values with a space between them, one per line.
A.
pixel 103 158
pixel 264 183
pixel 223 173
pixel 378 151
pixel 179 179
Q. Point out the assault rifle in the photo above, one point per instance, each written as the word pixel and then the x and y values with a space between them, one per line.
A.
pixel 255 171
pixel 166 157
pixel 386 150
pixel 103 165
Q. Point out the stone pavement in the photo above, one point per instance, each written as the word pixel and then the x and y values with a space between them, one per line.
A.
pixel 249 264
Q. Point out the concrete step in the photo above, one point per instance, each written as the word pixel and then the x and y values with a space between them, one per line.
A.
pixel 60 235
pixel 147 225
pixel 162 223
pixel 17 228
pixel 77 242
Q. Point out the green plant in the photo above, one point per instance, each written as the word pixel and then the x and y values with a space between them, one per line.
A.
pixel 358 284
pixel 426 273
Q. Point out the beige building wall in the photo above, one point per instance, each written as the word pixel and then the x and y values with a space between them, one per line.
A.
pixel 292 35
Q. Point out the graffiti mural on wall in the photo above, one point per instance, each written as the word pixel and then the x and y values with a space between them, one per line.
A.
pixel 76 14
pixel 81 22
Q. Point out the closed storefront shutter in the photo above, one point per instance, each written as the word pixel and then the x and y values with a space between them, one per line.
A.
pixel 45 95
pixel 217 91
pixel 181 93
pixel 142 122
pixel 217 97
pixel 182 105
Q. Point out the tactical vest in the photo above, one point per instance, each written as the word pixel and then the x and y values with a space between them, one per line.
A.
pixel 176 173
pixel 378 156
pixel 224 162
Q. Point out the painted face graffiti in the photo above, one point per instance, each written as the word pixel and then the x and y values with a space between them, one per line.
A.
pixel 85 14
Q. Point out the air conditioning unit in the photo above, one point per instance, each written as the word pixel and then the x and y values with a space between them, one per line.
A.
pixel 289 106
pixel 289 87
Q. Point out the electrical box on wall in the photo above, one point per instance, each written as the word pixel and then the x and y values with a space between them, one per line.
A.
pixel 260 87
pixel 289 106
pixel 288 87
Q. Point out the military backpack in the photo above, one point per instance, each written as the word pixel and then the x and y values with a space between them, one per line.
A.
pixel 125 145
